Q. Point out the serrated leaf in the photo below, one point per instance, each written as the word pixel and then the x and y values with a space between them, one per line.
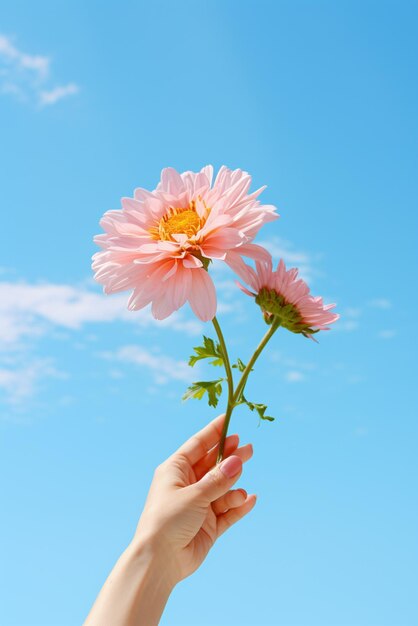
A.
pixel 212 387
pixel 239 365
pixel 260 408
pixel 209 350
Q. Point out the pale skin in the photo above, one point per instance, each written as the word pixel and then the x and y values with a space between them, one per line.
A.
pixel 189 505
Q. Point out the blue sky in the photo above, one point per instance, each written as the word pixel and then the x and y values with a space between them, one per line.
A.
pixel 317 100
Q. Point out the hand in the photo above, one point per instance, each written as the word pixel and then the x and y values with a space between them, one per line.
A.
pixel 191 503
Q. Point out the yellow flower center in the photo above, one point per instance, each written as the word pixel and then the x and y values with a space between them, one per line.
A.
pixel 178 221
pixel 187 222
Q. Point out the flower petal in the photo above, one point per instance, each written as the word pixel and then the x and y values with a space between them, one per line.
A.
pixel 192 261
pixel 224 239
pixel 171 181
pixel 202 296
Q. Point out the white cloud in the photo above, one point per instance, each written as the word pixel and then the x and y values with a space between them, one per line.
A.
pixel 282 249
pixel 58 93
pixel 19 382
pixel 27 76
pixel 162 367
pixel 293 376
pixel 37 64
pixel 228 287
pixel 344 325
pixel 290 362
pixel 28 310
pixel 279 249
pixel 8 88
pixel 380 303
pixel 228 307
pixel 389 333
pixel 352 312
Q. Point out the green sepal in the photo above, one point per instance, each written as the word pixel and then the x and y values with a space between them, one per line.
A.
pixel 210 350
pixel 212 387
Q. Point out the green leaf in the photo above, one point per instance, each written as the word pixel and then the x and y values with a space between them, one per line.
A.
pixel 240 365
pixel 260 408
pixel 212 387
pixel 209 350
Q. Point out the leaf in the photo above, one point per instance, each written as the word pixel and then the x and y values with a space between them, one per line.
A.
pixel 209 350
pixel 240 365
pixel 260 408
pixel 212 387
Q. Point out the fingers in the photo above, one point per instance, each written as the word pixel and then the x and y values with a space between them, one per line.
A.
pixel 200 443
pixel 244 452
pixel 208 461
pixel 231 517
pixel 231 443
pixel 218 481
pixel 231 500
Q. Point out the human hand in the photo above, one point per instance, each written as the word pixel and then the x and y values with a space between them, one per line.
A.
pixel 191 503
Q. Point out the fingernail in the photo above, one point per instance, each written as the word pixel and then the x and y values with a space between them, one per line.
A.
pixel 244 493
pixel 231 466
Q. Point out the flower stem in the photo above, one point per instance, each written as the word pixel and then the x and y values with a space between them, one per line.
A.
pixel 236 397
pixel 230 379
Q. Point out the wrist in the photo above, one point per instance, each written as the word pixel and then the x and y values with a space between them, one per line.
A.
pixel 148 553
pixel 136 590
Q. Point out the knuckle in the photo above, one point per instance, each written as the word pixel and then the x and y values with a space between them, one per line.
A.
pixel 159 470
pixel 200 444
pixel 216 477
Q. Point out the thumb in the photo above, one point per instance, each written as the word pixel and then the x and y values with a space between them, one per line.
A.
pixel 219 480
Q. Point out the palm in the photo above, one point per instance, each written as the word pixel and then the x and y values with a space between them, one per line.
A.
pixel 200 526
pixel 202 523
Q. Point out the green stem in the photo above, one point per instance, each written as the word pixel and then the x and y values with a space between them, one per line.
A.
pixel 227 363
pixel 232 402
pixel 230 379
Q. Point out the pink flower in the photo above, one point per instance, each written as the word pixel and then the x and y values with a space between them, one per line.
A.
pixel 284 297
pixel 161 242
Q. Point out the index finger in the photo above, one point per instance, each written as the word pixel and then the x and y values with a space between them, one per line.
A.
pixel 199 444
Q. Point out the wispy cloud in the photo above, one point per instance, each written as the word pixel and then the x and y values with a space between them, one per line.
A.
pixel 37 64
pixel 28 310
pixel 27 77
pixel 279 248
pixel 291 369
pixel 293 376
pixel 380 303
pixel 58 93
pixel 351 312
pixel 388 333
pixel 345 325
pixel 305 261
pixel 280 358
pixel 19 381
pixel 350 316
pixel 163 368
pixel 349 320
